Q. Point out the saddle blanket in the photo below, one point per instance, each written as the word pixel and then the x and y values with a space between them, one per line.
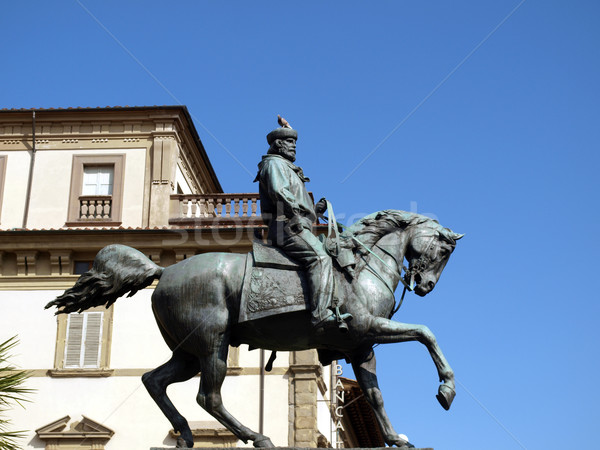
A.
pixel 268 291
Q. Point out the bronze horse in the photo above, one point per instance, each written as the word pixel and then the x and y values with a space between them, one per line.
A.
pixel 197 301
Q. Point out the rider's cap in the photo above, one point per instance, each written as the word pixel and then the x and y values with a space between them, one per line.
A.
pixel 284 132
pixel 281 133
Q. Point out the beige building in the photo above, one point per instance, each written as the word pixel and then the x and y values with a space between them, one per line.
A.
pixel 74 180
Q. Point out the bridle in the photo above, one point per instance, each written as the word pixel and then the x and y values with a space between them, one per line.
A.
pixel 415 268
pixel 420 265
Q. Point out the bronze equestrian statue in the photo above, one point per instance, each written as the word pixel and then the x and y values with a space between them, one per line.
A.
pixel 210 301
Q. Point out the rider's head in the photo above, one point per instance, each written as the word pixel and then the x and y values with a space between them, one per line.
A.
pixel 282 141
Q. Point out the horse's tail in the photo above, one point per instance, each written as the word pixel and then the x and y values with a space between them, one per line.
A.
pixel 117 270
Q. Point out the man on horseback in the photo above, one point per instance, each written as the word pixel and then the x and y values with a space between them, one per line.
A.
pixel 289 213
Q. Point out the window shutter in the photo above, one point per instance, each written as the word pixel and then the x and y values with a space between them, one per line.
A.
pixel 74 337
pixel 93 340
pixel 84 340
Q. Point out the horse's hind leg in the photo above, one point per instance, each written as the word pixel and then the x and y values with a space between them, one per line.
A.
pixel 180 367
pixel 214 369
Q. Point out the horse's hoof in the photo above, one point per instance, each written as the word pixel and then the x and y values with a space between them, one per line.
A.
pixel 263 442
pixel 401 441
pixel 182 444
pixel 445 396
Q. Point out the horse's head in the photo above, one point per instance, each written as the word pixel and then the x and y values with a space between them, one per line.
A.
pixel 428 252
pixel 428 248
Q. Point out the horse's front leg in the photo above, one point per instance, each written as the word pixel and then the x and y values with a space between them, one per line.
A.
pixel 388 331
pixel 363 363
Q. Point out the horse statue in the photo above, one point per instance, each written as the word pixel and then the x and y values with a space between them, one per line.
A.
pixel 198 304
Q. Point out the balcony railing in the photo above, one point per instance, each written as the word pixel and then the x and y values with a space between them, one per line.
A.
pixel 238 208
pixel 95 207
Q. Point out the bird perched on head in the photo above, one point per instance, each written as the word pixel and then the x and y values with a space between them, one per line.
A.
pixel 284 123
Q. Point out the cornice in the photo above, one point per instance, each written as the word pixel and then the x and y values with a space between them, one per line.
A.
pixel 191 175
pixel 303 370
pixel 63 126
pixel 55 250
pixel 137 372
pixel 79 141
pixel 23 115
pixel 37 282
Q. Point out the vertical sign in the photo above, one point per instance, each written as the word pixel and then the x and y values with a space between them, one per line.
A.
pixel 339 402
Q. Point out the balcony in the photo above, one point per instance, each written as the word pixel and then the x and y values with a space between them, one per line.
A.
pixel 95 207
pixel 215 209
pixel 94 211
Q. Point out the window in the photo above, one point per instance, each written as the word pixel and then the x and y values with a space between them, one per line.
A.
pixel 81 267
pixel 96 190
pixel 2 176
pixel 84 340
pixel 97 180
pixel 83 343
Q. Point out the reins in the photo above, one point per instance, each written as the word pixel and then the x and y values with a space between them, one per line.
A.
pixel 332 224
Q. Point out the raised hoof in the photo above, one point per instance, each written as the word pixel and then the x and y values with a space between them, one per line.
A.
pixel 401 441
pixel 445 396
pixel 263 442
pixel 182 444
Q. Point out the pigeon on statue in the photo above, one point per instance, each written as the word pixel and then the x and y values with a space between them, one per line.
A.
pixel 284 123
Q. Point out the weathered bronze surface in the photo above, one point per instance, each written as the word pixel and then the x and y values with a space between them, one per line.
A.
pixel 208 302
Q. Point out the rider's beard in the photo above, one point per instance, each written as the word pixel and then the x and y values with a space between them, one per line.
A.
pixel 288 154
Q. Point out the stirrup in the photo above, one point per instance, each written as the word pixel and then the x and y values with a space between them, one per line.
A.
pixel 341 319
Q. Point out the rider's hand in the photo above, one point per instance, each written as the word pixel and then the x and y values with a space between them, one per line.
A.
pixel 321 206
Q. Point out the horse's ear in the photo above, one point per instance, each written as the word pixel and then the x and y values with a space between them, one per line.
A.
pixel 456 236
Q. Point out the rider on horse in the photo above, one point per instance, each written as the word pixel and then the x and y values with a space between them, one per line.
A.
pixel 289 213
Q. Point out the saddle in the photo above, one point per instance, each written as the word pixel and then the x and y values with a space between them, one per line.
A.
pixel 268 256
pixel 273 284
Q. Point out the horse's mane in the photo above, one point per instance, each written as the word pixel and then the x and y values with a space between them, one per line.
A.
pixel 370 229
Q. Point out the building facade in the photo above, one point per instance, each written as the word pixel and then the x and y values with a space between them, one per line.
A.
pixel 75 180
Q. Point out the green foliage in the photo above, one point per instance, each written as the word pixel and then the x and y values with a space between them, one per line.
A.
pixel 11 392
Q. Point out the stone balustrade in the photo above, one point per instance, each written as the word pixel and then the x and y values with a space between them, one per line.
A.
pixel 95 207
pixel 210 207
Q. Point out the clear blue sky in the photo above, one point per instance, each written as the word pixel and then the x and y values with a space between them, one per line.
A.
pixel 480 114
